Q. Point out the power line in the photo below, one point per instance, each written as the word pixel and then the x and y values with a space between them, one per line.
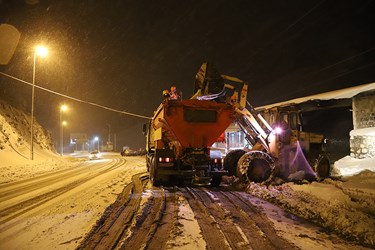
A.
pixel 350 71
pixel 303 16
pixel 288 28
pixel 344 60
pixel 329 79
pixel 332 65
pixel 280 34
pixel 307 76
pixel 76 99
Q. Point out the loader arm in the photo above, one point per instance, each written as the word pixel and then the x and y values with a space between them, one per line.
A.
pixel 210 85
pixel 252 129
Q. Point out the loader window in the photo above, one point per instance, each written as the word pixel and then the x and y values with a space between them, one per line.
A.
pixel 196 115
pixel 284 117
pixel 293 120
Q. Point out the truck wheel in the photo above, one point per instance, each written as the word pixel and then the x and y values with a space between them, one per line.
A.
pixel 322 167
pixel 256 166
pixel 153 174
pixel 231 160
pixel 149 161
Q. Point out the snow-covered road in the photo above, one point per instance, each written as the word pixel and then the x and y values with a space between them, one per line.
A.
pixel 55 210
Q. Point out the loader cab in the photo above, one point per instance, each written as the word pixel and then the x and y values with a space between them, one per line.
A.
pixel 290 116
pixel 311 143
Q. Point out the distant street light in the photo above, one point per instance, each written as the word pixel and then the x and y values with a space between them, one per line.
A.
pixel 63 108
pixel 42 52
pixel 97 139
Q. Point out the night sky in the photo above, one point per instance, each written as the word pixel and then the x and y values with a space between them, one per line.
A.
pixel 123 54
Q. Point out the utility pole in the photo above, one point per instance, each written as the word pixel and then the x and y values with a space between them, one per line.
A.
pixel 109 133
pixel 115 137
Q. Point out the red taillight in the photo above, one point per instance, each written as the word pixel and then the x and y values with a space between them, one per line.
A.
pixel 218 160
pixel 165 159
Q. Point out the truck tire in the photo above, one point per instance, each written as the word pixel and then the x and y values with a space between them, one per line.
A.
pixel 149 161
pixel 231 160
pixel 153 174
pixel 322 167
pixel 256 166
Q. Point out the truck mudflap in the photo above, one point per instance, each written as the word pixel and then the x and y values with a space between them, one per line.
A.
pixel 216 177
pixel 201 180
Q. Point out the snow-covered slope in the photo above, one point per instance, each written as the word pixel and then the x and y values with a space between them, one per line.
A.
pixel 15 138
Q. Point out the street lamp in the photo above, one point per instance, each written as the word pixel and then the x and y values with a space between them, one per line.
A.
pixel 63 108
pixel 97 139
pixel 42 52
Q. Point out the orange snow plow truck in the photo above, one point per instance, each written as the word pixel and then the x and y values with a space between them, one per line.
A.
pixel 181 132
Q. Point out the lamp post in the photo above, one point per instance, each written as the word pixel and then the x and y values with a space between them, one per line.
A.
pixel 97 139
pixel 63 108
pixel 42 52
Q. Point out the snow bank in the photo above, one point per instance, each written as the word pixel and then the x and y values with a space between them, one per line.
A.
pixel 345 207
pixel 363 131
pixel 349 166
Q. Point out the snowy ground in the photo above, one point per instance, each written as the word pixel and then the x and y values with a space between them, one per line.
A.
pixel 345 207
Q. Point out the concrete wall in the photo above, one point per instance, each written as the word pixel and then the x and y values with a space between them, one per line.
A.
pixel 363 146
pixel 364 110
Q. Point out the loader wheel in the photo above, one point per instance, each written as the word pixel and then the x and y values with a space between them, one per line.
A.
pixel 231 160
pixel 322 167
pixel 255 166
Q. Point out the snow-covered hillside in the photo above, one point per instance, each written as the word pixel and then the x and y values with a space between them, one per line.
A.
pixel 15 135
pixel 15 139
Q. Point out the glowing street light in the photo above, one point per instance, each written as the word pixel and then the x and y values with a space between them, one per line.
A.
pixel 42 52
pixel 63 108
pixel 97 139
